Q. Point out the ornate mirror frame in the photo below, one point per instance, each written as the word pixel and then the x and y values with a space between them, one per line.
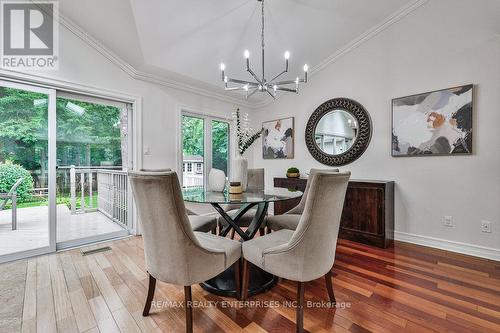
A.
pixel 362 139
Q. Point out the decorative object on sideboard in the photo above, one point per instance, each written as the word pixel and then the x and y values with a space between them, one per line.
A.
pixel 434 123
pixel 278 138
pixel 293 172
pixel 246 136
pixel 216 180
pixel 263 84
pixel 338 132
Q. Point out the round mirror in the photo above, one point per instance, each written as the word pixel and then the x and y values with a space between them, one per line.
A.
pixel 338 132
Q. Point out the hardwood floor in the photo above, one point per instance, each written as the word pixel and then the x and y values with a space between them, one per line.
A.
pixel 402 289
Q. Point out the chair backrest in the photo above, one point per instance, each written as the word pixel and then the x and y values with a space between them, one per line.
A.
pixel 255 180
pixel 300 207
pixel 12 190
pixel 317 232
pixel 165 225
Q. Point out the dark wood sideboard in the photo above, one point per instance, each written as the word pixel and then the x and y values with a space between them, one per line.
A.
pixel 368 215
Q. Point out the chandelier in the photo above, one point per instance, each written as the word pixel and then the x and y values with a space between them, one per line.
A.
pixel 262 84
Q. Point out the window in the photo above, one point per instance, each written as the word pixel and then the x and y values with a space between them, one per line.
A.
pixel 205 143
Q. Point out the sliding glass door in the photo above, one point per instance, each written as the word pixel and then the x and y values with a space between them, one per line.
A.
pixel 27 170
pixel 92 162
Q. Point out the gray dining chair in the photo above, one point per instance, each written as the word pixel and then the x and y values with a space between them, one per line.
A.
pixel 255 183
pixel 291 219
pixel 175 253
pixel 203 223
pixel 307 253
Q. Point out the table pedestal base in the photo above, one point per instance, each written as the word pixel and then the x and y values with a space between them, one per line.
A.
pixel 224 284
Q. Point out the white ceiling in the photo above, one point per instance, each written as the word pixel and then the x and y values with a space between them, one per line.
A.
pixel 187 40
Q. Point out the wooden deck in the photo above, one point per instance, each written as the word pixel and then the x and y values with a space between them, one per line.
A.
pixel 33 232
pixel 403 289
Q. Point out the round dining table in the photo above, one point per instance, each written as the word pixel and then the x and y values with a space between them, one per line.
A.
pixel 224 284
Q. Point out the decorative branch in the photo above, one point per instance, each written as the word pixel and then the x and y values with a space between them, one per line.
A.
pixel 246 136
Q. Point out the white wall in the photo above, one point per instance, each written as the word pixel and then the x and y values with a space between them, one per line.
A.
pixel 443 44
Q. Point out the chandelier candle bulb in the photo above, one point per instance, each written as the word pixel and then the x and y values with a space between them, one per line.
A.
pixel 222 69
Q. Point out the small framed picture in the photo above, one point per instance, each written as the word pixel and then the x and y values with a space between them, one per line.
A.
pixel 278 138
pixel 437 123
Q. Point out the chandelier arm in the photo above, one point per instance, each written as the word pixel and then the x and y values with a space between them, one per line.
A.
pixel 277 76
pixel 281 83
pixel 271 94
pixel 251 84
pixel 251 93
pixel 234 88
pixel 286 89
pixel 249 70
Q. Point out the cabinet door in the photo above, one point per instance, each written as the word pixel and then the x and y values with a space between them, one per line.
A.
pixel 363 209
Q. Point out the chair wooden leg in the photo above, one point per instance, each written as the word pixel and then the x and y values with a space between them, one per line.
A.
pixel 232 233
pixel 189 309
pixel 268 231
pixel 237 279
pixel 245 278
pixel 329 287
pixel 262 231
pixel 149 298
pixel 300 307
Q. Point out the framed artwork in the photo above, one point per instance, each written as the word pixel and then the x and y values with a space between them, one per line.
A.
pixel 277 138
pixel 437 123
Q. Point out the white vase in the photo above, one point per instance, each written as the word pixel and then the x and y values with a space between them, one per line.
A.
pixel 216 180
pixel 240 171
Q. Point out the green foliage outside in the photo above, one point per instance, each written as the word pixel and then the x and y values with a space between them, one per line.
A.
pixel 23 130
pixel 220 144
pixel 9 175
pixel 88 134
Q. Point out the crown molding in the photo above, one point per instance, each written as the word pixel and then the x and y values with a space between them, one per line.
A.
pixel 144 76
pixel 176 84
pixel 374 31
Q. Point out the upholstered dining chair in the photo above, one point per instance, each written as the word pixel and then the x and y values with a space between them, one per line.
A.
pixel 203 223
pixel 308 252
pixel 174 252
pixel 255 183
pixel 291 219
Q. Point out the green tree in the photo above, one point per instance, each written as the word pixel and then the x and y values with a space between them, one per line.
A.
pixel 220 143
pixel 192 136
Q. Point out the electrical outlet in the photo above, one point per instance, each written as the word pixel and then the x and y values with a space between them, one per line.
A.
pixel 448 221
pixel 486 226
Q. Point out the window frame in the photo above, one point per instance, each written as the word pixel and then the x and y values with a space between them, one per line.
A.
pixel 207 143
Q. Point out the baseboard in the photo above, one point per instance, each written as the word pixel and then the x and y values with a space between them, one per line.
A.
pixel 443 244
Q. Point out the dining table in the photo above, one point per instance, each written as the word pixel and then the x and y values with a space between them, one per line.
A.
pixel 258 202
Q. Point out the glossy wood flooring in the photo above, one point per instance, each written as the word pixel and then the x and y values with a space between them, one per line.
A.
pixel 403 289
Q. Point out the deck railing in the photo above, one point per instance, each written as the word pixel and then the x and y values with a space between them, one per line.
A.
pixel 112 192
pixel 112 195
